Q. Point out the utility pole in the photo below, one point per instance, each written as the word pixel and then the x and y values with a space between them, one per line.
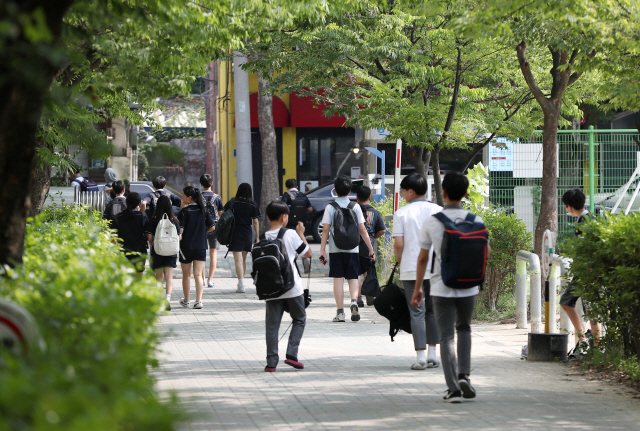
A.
pixel 244 163
pixel 211 114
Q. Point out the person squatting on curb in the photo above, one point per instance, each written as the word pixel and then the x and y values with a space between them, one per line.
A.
pixel 453 307
pixel 291 300
pixel 407 223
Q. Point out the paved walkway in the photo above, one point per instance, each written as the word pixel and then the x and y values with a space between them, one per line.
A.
pixel 356 378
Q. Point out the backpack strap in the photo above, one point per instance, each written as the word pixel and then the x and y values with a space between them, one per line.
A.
pixel 351 205
pixel 470 217
pixel 446 221
pixel 335 205
pixel 393 272
pixel 282 232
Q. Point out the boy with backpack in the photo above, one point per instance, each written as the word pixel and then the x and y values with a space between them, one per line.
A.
pixel 278 282
pixel 407 223
pixel 343 221
pixel 213 205
pixel 374 224
pixel 299 207
pixel 85 184
pixel 148 205
pixel 116 205
pixel 461 249
pixel 573 201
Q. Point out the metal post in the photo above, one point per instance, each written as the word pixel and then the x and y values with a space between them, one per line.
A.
pixel 244 162
pixel 396 177
pixel 554 282
pixel 382 175
pixel 535 287
pixel 592 174
pixel 521 294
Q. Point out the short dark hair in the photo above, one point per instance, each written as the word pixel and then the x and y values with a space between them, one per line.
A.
pixel 127 184
pixel 574 198
pixel 118 187
pixel 415 182
pixel 159 182
pixel 291 183
pixel 244 192
pixel 364 193
pixel 206 181
pixel 276 209
pixel 342 185
pixel 456 185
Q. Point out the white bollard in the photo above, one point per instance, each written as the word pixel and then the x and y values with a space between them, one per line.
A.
pixel 521 294
pixel 535 300
pixel 554 282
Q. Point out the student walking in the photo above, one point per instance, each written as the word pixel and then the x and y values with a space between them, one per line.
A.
pixel 116 205
pixel 246 214
pixel 149 202
pixel 163 265
pixel 343 221
pixel 130 225
pixel 573 201
pixel 374 224
pixel 291 300
pixel 407 223
pixel 213 205
pixel 195 223
pixel 299 208
pixel 453 307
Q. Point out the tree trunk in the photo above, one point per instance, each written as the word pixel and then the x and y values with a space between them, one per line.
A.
pixel 270 174
pixel 437 179
pixel 39 188
pixel 548 218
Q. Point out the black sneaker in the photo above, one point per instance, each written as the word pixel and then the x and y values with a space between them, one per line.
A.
pixel 360 302
pixel 355 315
pixel 467 390
pixel 453 397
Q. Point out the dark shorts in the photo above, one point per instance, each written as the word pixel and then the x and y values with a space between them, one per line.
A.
pixel 344 265
pixel 158 261
pixel 365 264
pixel 569 297
pixel 188 256
pixel 213 242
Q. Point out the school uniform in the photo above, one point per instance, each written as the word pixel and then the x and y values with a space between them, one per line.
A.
pixel 373 224
pixel 453 308
pixel 293 300
pixel 407 223
pixel 569 297
pixel 244 212
pixel 342 263
pixel 218 206
pixel 130 229
pixel 158 261
pixel 194 224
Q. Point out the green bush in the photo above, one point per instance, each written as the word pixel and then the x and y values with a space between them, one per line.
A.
pixel 97 318
pixel 386 253
pixel 606 260
pixel 507 235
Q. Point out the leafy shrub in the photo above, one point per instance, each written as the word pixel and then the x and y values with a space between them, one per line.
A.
pixel 97 318
pixel 508 235
pixel 607 263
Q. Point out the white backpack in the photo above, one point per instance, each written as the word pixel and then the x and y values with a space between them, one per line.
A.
pixel 166 241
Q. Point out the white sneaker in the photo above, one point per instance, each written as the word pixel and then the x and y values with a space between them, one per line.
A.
pixel 197 305
pixel 339 317
pixel 184 303
pixel 240 288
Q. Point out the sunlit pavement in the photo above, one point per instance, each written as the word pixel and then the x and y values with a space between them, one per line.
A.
pixel 356 378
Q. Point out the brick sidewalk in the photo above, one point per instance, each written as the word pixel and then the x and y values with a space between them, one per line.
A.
pixel 356 377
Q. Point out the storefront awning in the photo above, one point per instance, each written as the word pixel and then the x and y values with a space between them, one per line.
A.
pixel 281 116
pixel 304 114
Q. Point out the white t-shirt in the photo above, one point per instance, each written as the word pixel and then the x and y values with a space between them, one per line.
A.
pixel 327 218
pixel 292 242
pixel 407 222
pixel 76 181
pixel 431 234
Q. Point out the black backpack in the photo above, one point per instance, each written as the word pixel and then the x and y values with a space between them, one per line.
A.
pixel 370 284
pixel 225 226
pixel 87 185
pixel 364 250
pixel 272 274
pixel 151 208
pixel 117 206
pixel 210 206
pixel 463 254
pixel 392 304
pixel 346 233
pixel 298 210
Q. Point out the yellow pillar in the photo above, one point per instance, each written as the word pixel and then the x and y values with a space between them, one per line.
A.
pixel 289 153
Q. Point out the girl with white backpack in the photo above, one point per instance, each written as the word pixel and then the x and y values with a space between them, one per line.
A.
pixel 164 233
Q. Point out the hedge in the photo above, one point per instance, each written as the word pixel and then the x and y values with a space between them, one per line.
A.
pixel 97 318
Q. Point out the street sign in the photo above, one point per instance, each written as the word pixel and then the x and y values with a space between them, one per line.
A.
pixel 18 330
pixel 547 251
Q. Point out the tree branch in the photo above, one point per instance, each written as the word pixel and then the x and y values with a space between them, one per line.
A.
pixel 521 51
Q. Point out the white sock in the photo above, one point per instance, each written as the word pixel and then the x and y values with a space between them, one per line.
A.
pixel 420 356
pixel 431 353
pixel 168 297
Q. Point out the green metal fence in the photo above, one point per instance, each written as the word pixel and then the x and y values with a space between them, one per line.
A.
pixel 600 162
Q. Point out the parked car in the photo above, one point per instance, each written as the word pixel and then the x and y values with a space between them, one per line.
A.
pixel 319 198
